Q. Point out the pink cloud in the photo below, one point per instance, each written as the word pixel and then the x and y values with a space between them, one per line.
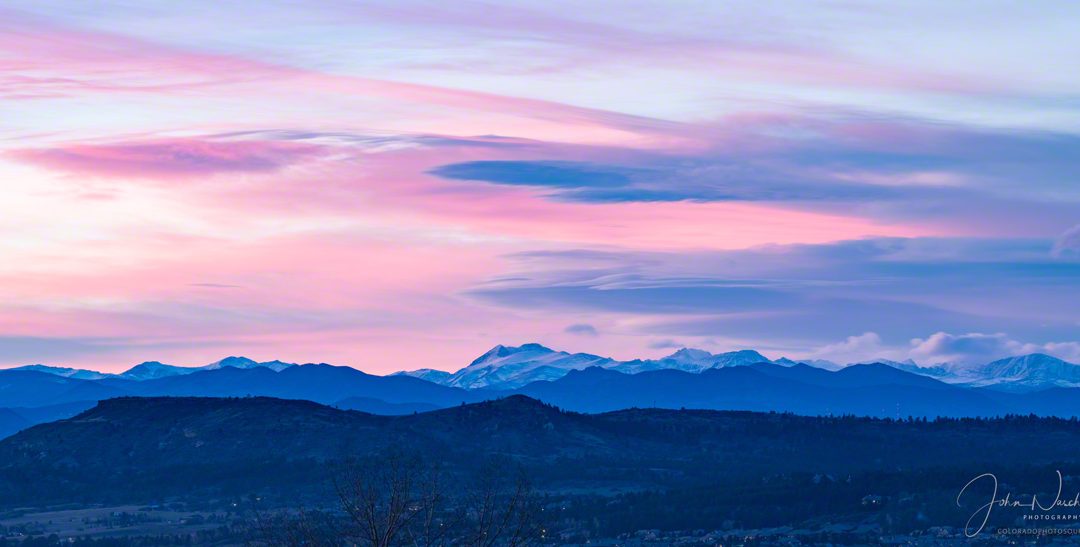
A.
pixel 394 188
pixel 370 262
pixel 42 59
pixel 170 157
pixel 738 52
pixel 39 59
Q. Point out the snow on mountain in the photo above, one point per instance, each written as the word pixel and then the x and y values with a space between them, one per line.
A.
pixel 510 367
pixel 151 370
pixel 244 362
pixel 691 360
pixel 1031 372
pixel 78 374
pixel 276 366
pixel 816 363
pixel 823 363
pixel 1024 373
pixel 507 367
pixel 941 372
pixel 739 358
pixel 235 362
pixel 429 374
pixel 890 362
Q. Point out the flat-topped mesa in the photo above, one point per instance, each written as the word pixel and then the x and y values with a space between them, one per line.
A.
pixel 119 406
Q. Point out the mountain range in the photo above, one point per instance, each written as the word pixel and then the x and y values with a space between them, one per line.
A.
pixel 150 370
pixel 507 367
pixel 510 367
pixel 504 367
pixel 741 380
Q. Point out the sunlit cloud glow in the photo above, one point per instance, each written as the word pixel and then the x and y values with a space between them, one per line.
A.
pixel 406 184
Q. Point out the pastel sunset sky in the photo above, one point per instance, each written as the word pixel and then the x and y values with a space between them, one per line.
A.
pixel 396 185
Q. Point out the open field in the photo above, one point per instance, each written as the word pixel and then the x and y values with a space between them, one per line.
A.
pixel 111 521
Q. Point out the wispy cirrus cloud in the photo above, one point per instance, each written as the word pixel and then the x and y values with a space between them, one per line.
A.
pixel 898 169
pixel 1068 243
pixel 542 39
pixel 169 157
pixel 46 60
pixel 407 172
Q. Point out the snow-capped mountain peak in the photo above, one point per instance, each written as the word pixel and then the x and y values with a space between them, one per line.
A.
pixel 690 355
pixel 1033 369
pixel 507 367
pixel 150 370
pixel 501 353
pixel 739 358
pixel 429 374
pixel 245 363
pixel 276 365
pixel 232 361
pixel 153 369
pixel 510 366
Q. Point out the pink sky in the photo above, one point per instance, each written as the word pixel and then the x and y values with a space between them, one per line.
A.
pixel 189 191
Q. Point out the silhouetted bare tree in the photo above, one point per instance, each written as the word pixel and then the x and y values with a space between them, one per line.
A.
pixel 397 500
pixel 500 508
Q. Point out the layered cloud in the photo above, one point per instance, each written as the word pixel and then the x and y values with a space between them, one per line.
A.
pixel 590 183
pixel 896 169
pixel 408 184
pixel 798 296
pixel 169 158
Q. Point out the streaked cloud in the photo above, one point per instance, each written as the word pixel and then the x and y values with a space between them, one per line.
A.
pixel 1068 243
pixel 803 295
pixel 411 181
pixel 169 158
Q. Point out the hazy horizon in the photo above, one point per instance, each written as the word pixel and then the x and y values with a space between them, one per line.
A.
pixel 656 353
